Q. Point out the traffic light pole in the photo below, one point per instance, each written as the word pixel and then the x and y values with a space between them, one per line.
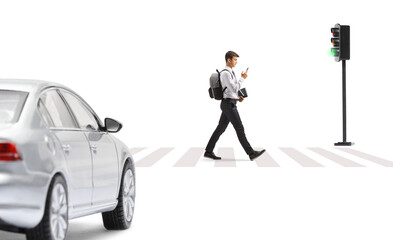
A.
pixel 344 142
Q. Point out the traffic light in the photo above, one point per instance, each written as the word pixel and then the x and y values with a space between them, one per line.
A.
pixel 340 52
pixel 340 41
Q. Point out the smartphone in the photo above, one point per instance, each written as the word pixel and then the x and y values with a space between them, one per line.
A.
pixel 246 69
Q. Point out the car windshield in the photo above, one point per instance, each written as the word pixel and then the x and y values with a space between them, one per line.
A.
pixel 11 105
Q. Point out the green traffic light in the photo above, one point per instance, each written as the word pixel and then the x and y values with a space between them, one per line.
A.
pixel 334 52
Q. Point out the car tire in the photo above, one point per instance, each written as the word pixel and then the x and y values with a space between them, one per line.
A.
pixel 121 217
pixel 54 223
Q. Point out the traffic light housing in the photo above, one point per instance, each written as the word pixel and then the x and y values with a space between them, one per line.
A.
pixel 340 41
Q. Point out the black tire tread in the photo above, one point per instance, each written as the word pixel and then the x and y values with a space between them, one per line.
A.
pixel 42 231
pixel 115 220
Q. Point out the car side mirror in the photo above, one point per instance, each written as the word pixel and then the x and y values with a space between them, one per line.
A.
pixel 111 125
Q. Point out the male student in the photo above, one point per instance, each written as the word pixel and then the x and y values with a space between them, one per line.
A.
pixel 229 109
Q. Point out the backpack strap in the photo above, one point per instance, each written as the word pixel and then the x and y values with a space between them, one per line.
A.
pixel 219 77
pixel 227 71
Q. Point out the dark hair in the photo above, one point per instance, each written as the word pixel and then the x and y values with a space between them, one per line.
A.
pixel 230 55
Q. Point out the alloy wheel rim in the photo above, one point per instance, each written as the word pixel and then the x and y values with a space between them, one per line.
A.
pixel 128 195
pixel 59 212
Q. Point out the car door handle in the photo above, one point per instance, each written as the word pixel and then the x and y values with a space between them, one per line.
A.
pixel 94 148
pixel 66 148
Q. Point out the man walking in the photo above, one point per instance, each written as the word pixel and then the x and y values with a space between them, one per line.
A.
pixel 229 109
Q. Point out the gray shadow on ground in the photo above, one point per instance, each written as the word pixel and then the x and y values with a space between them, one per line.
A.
pixel 76 231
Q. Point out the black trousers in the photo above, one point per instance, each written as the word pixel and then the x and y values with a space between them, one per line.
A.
pixel 229 114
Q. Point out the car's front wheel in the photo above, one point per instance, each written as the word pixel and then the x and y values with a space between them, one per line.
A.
pixel 54 224
pixel 121 217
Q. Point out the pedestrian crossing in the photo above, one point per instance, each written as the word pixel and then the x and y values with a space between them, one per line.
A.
pixel 317 157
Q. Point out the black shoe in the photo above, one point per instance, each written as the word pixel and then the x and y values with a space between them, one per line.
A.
pixel 211 155
pixel 256 154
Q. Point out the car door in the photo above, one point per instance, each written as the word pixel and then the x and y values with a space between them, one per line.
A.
pixel 74 145
pixel 103 150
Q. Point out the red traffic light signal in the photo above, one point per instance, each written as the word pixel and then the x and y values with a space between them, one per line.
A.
pixel 335 31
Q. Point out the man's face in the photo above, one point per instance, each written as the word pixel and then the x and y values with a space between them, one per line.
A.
pixel 232 62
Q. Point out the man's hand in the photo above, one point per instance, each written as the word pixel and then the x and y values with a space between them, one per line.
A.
pixel 244 74
pixel 241 99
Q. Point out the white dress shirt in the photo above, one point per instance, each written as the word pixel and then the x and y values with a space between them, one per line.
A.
pixel 229 81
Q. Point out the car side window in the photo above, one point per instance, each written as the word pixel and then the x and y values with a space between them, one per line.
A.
pixel 59 115
pixel 45 115
pixel 83 115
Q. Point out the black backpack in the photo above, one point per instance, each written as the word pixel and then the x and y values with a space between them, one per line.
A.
pixel 215 90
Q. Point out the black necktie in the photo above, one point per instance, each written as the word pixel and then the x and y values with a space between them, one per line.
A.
pixel 234 74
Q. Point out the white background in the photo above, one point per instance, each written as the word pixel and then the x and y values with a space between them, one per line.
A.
pixel 147 64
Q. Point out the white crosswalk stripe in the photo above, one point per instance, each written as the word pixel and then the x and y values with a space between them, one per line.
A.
pixel 284 157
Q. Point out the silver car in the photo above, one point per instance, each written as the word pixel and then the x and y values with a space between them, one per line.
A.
pixel 59 162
